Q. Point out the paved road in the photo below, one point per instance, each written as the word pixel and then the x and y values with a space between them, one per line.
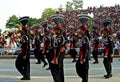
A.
pixel 8 72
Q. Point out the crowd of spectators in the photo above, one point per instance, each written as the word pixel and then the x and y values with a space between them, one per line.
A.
pixel 11 40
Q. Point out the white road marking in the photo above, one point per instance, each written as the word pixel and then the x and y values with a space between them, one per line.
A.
pixel 67 69
pixel 75 76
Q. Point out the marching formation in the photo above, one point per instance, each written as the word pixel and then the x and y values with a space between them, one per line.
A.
pixel 51 42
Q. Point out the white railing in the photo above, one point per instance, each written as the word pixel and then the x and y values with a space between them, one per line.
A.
pixel 7 51
pixel 11 51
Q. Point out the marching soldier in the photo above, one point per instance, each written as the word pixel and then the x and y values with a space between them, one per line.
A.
pixel 38 51
pixel 95 44
pixel 37 47
pixel 108 47
pixel 23 60
pixel 59 51
pixel 73 39
pixel 82 64
pixel 42 58
pixel 47 42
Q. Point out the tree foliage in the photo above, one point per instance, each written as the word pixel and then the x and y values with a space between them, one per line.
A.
pixel 32 21
pixel 12 22
pixel 47 13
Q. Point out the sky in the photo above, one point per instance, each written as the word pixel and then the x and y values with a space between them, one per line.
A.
pixel 34 8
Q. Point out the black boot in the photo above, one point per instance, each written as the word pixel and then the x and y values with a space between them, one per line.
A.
pixel 25 78
pixel 44 64
pixel 108 76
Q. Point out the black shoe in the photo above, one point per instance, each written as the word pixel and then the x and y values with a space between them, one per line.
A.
pixel 37 63
pixel 48 68
pixel 108 76
pixel 95 62
pixel 90 59
pixel 25 78
pixel 44 65
pixel 74 61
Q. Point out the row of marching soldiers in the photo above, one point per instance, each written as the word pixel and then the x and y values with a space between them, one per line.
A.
pixel 51 43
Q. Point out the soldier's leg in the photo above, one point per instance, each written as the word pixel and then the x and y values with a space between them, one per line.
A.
pixel 26 70
pixel 93 53
pixel 79 68
pixel 85 76
pixel 62 74
pixel 96 56
pixel 105 63
pixel 73 54
pixel 37 56
pixel 109 69
pixel 43 59
pixel 55 73
pixel 48 59
pixel 19 66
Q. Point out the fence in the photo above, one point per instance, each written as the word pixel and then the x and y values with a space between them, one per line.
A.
pixel 15 51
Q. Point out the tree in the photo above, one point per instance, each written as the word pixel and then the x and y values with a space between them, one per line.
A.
pixel 47 13
pixel 78 4
pixel 12 22
pixel 32 21
pixel 0 30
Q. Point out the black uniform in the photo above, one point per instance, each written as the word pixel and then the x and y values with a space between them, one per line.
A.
pixel 108 52
pixel 95 44
pixel 42 50
pixel 59 51
pixel 57 60
pixel 82 64
pixel 37 49
pixel 108 47
pixel 47 40
pixel 73 52
pixel 22 62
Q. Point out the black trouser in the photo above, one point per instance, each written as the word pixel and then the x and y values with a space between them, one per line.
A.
pixel 82 71
pixel 48 56
pixel 37 55
pixel 107 64
pixel 95 55
pixel 57 73
pixel 73 53
pixel 42 58
pixel 23 66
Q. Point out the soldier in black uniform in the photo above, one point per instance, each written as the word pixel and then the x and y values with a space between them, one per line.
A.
pixel 37 47
pixel 73 40
pixel 95 44
pixel 23 60
pixel 59 51
pixel 108 47
pixel 47 42
pixel 82 64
